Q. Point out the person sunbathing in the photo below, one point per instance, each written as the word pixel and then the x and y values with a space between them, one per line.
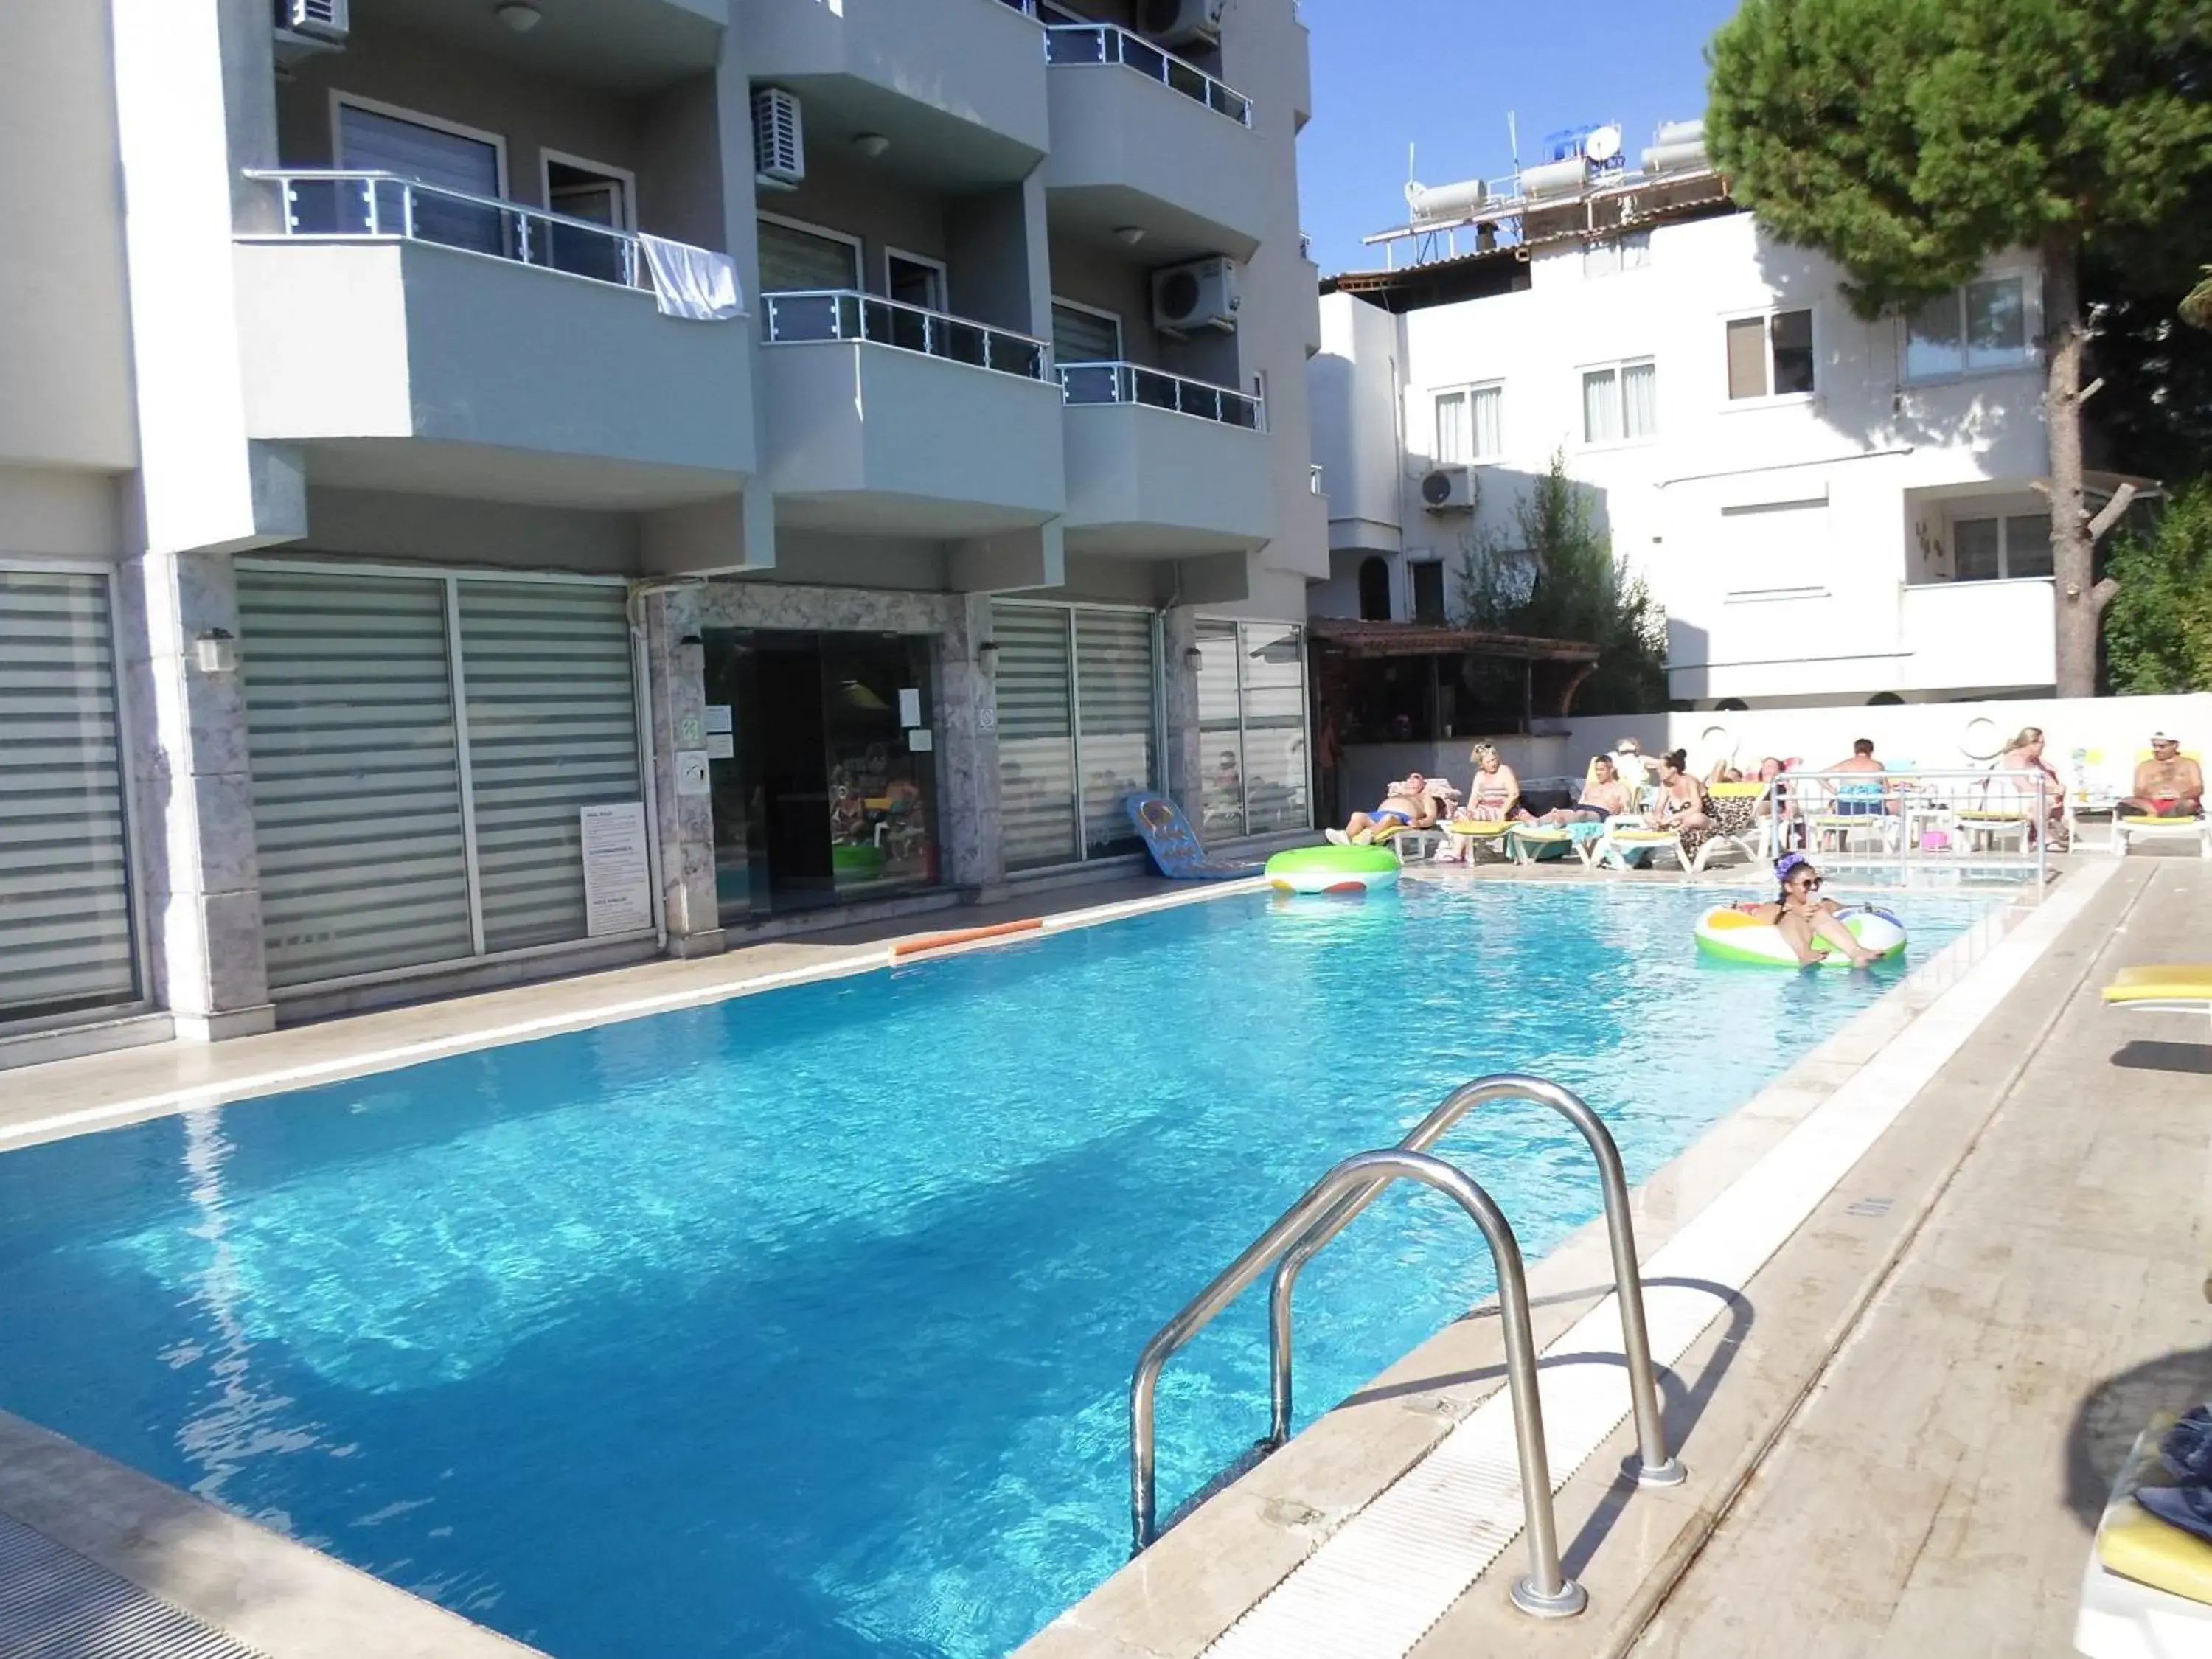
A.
pixel 1604 796
pixel 1410 804
pixel 2169 785
pixel 1799 915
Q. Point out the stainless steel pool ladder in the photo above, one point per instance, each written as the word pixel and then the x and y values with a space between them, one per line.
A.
pixel 1328 1207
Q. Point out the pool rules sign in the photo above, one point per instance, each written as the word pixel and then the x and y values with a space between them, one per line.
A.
pixel 617 880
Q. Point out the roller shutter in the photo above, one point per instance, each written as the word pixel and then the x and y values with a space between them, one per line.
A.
pixel 552 728
pixel 1114 701
pixel 357 773
pixel 66 938
pixel 1037 736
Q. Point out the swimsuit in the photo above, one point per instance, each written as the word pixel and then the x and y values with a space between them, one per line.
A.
pixel 1381 813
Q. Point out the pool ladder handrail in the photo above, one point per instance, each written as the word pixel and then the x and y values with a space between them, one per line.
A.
pixel 1325 1211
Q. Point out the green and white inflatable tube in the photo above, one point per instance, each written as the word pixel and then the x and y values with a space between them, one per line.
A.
pixel 1333 869
pixel 1729 935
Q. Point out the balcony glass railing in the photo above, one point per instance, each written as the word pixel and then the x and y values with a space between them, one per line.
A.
pixel 812 316
pixel 1087 383
pixel 323 202
pixel 1104 43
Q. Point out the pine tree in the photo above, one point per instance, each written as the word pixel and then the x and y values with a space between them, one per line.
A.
pixel 1910 139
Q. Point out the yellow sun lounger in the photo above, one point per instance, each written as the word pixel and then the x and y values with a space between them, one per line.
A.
pixel 2163 987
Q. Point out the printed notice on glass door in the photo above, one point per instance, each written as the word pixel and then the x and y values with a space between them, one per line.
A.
pixel 617 880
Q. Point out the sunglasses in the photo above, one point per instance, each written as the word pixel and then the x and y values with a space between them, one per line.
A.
pixel 1808 883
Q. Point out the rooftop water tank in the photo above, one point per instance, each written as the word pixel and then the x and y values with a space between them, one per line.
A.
pixel 1432 204
pixel 1555 178
pixel 1677 146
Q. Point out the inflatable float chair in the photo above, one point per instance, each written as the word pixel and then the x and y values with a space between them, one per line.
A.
pixel 1730 935
pixel 1333 869
pixel 1177 851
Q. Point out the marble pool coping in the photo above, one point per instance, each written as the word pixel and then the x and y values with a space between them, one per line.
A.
pixel 291 1601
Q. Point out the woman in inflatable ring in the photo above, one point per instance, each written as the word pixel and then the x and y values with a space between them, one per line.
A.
pixel 1799 915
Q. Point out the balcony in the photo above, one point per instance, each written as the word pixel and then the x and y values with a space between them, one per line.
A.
pixel 1964 635
pixel 431 341
pixel 888 418
pixel 1142 139
pixel 956 86
pixel 1159 467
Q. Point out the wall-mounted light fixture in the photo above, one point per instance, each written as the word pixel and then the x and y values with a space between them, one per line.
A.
pixel 519 17
pixel 1194 659
pixel 987 658
pixel 871 144
pixel 215 652
pixel 1129 235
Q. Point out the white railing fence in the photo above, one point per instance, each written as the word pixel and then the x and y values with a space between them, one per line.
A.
pixel 1970 821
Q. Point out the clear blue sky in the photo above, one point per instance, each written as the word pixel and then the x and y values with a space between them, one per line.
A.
pixel 1441 74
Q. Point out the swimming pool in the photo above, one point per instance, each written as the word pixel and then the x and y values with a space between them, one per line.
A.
pixel 800 1325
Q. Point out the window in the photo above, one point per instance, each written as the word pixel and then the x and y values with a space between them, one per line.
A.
pixel 1374 589
pixel 2011 547
pixel 1425 577
pixel 1470 425
pixel 795 259
pixel 1620 403
pixel 913 279
pixel 1970 331
pixel 1252 719
pixel 1770 356
pixel 375 138
pixel 1617 253
pixel 1082 334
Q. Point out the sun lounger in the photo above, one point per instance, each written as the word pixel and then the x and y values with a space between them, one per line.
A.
pixel 2128 828
pixel 2167 987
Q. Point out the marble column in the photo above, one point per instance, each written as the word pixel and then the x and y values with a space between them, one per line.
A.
pixel 192 790
pixel 1181 757
pixel 683 810
pixel 969 829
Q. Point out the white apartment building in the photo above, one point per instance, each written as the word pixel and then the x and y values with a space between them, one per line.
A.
pixel 1830 509
pixel 490 487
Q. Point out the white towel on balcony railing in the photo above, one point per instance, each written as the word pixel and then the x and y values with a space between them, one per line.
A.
pixel 692 282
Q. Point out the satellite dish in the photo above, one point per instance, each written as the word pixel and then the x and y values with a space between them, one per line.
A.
pixel 1603 144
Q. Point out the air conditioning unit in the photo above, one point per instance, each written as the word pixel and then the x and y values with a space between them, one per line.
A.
pixel 323 21
pixel 1200 295
pixel 1448 489
pixel 779 139
pixel 1179 22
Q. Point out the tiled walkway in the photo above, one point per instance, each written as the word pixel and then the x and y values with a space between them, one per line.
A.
pixel 1935 1494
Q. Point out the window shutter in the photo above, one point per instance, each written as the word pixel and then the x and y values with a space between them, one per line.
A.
pixel 1114 701
pixel 1037 748
pixel 795 261
pixel 1747 357
pixel 66 925
pixel 1084 336
pixel 552 729
pixel 357 773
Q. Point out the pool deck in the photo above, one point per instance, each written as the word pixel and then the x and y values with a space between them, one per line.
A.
pixel 1898 1428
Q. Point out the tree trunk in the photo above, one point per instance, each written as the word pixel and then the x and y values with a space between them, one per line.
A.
pixel 2081 600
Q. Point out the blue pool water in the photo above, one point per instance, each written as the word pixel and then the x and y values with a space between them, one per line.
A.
pixel 801 1325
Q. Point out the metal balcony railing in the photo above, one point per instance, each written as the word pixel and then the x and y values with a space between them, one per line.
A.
pixel 1106 43
pixel 323 203
pixel 812 316
pixel 1086 384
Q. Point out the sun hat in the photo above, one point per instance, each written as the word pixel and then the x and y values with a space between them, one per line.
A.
pixel 2161 737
